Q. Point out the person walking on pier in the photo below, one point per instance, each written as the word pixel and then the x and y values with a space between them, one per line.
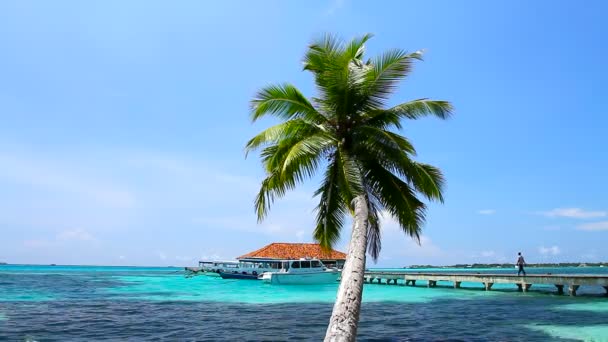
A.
pixel 520 263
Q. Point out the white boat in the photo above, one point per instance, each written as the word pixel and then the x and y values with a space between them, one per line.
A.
pixel 248 269
pixel 303 271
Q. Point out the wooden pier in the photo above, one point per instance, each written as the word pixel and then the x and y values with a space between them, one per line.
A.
pixel 571 281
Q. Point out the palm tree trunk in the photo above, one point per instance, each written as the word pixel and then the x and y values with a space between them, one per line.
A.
pixel 345 316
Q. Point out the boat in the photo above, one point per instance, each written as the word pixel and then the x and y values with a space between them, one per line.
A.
pixel 212 268
pixel 301 272
pixel 249 269
pixel 238 275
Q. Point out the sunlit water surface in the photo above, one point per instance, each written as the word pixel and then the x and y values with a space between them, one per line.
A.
pixel 58 303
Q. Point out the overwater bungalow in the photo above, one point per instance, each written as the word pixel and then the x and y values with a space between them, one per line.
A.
pixel 269 258
pixel 272 254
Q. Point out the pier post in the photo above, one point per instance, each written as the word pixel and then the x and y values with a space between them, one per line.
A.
pixel 523 287
pixel 572 289
pixel 562 282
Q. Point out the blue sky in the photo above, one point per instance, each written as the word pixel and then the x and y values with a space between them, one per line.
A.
pixel 122 126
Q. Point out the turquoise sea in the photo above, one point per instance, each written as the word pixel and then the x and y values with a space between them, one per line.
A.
pixel 86 303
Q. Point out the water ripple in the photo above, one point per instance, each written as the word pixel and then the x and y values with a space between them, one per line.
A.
pixel 159 305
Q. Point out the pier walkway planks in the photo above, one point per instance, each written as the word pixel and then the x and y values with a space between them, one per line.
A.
pixel 571 281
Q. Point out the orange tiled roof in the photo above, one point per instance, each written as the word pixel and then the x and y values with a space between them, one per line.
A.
pixel 279 250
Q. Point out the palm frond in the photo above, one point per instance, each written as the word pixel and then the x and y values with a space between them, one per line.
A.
pixel 387 70
pixel 350 178
pixel 266 196
pixel 420 108
pixel 397 198
pixel 427 179
pixel 374 236
pixel 273 156
pixel 392 151
pixel 278 181
pixel 285 102
pixel 274 134
pixel 339 74
pixel 356 47
pixel 291 160
pixel 387 118
pixel 311 146
pixel 368 137
pixel 331 208
pixel 322 52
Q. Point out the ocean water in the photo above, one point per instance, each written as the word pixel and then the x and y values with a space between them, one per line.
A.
pixel 81 303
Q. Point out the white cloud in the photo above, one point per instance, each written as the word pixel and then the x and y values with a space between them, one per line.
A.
pixel 192 172
pixel 426 248
pixel 278 223
pixel 594 227
pixel 553 250
pixel 121 257
pixel 61 177
pixel 211 256
pixel 590 255
pixel 75 235
pixel 76 188
pixel 388 223
pixel 162 256
pixel 573 213
pixel 62 238
pixel 487 254
pixel 335 6
pixel 487 212
pixel 35 243
pixel 242 224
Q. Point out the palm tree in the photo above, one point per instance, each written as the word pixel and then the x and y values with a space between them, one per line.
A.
pixel 368 166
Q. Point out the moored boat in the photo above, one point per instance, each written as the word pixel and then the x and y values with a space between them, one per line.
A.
pixel 238 275
pixel 212 268
pixel 302 272
pixel 250 269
